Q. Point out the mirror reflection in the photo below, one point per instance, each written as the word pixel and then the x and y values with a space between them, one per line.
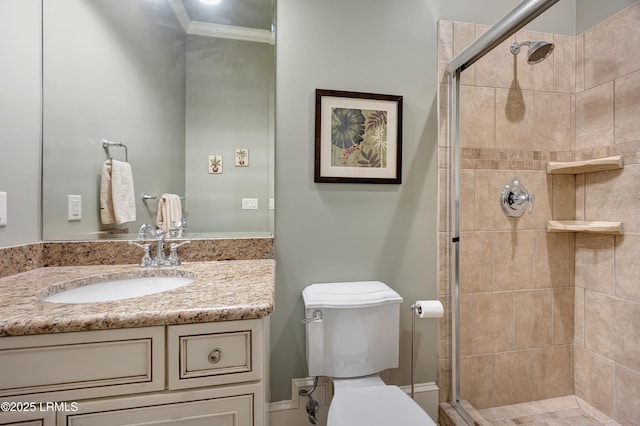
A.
pixel 143 98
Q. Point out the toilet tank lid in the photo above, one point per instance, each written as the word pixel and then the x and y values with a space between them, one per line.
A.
pixel 358 294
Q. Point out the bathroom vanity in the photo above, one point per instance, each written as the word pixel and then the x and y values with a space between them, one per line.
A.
pixel 191 356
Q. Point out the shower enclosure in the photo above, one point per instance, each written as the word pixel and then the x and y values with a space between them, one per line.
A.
pixel 537 315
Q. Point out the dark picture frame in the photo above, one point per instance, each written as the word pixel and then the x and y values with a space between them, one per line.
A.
pixel 358 137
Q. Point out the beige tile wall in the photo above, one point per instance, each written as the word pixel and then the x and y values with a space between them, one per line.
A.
pixel 545 315
pixel 607 278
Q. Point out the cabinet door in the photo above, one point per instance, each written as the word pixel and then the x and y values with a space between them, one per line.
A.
pixel 26 418
pixel 231 411
pixel 240 405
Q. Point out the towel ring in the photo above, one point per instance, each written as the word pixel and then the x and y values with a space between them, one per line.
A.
pixel 108 144
pixel 146 197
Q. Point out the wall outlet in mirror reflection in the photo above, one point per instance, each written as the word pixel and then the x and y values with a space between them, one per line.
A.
pixel 242 157
pixel 215 164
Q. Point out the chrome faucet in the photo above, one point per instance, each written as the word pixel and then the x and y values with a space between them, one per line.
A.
pixel 158 235
pixel 160 259
pixel 146 229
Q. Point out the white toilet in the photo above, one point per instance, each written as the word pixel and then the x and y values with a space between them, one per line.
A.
pixel 352 335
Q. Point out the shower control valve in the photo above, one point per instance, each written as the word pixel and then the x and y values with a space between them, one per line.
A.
pixel 515 199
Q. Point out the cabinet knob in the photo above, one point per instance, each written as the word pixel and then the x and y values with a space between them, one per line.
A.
pixel 215 356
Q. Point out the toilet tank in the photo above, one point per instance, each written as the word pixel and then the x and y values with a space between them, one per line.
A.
pixel 359 331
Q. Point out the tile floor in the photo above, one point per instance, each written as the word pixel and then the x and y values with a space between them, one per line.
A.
pixel 563 411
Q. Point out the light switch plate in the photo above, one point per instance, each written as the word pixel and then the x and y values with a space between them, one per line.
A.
pixel 3 209
pixel 74 208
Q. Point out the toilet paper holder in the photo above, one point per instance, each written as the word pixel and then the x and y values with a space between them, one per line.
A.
pixel 422 309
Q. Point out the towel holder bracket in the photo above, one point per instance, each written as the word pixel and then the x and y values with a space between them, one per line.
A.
pixel 108 144
pixel 146 197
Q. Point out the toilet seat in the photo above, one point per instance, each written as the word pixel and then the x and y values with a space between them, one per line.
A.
pixel 375 406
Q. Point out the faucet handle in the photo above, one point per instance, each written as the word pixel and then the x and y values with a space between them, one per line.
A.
pixel 146 258
pixel 173 253
pixel 176 245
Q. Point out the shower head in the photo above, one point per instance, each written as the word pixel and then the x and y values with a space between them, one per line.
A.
pixel 538 50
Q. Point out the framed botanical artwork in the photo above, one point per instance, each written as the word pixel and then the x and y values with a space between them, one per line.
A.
pixel 358 137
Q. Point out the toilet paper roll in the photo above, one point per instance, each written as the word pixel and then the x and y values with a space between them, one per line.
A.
pixel 429 309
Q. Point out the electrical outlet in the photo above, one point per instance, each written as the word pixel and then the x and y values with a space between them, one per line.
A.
pixel 249 204
pixel 74 208
pixel 3 209
pixel 272 203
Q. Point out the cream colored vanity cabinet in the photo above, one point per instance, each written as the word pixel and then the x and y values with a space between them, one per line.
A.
pixel 36 372
pixel 198 374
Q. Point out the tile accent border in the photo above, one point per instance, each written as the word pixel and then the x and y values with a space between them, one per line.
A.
pixel 505 159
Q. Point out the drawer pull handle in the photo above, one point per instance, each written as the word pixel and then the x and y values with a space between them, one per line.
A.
pixel 215 356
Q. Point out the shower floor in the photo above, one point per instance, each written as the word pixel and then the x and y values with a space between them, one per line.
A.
pixel 563 411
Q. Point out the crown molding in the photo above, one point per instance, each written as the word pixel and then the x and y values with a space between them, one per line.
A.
pixel 219 31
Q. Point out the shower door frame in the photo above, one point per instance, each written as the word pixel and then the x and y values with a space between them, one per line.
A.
pixel 518 17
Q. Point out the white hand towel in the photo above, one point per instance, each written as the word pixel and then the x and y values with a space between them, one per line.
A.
pixel 107 216
pixel 117 195
pixel 169 211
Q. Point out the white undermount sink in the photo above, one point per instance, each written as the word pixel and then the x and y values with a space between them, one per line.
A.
pixel 115 289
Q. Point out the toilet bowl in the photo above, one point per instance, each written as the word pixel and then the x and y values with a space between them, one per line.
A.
pixel 353 334
pixel 373 403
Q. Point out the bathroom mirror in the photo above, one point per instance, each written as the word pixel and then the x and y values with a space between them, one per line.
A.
pixel 180 83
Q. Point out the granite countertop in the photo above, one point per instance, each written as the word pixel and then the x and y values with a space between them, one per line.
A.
pixel 222 291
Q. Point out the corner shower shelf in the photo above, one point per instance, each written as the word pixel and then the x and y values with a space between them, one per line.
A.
pixel 578 167
pixel 587 166
pixel 589 226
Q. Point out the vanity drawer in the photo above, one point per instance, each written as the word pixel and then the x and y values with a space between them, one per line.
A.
pixel 214 353
pixel 83 364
